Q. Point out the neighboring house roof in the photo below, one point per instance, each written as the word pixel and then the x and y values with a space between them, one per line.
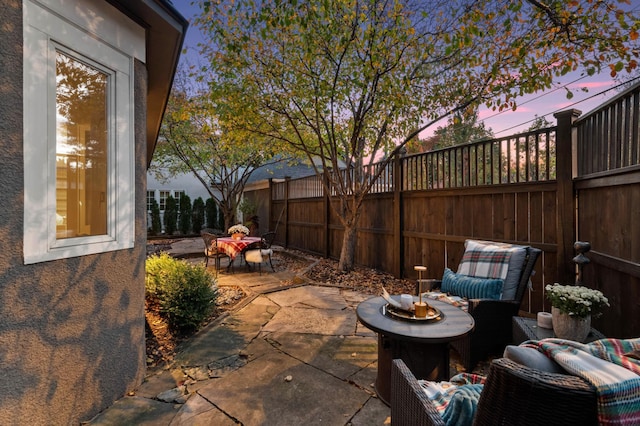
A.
pixel 280 170
pixel 293 168
pixel 166 29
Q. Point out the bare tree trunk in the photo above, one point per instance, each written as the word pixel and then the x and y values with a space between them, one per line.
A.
pixel 229 217
pixel 347 253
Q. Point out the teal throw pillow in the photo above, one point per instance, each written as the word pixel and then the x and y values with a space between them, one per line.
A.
pixel 471 287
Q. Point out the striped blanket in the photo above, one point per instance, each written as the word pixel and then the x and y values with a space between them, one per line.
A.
pixel 457 399
pixel 610 365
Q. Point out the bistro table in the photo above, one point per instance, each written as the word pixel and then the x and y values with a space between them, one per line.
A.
pixel 422 345
pixel 233 247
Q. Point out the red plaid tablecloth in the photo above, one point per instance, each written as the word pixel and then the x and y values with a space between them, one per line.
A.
pixel 234 247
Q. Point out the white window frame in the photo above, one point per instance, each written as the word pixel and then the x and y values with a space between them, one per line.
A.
pixel 151 195
pixel 163 199
pixel 112 43
pixel 177 195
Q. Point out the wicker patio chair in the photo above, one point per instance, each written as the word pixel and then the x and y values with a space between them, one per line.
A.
pixel 493 327
pixel 512 395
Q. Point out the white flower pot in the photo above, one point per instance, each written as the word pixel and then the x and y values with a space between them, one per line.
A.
pixel 570 327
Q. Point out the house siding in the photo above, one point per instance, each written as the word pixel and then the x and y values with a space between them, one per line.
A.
pixel 71 331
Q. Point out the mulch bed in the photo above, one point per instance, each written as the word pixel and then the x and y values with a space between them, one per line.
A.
pixel 162 342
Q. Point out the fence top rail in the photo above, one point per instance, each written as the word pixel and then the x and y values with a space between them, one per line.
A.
pixel 486 141
pixel 622 95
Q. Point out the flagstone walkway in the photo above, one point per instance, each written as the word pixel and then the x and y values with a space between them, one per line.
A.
pixel 294 353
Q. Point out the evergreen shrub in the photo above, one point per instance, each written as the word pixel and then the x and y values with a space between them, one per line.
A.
pixel 185 294
pixel 185 214
pixel 170 216
pixel 197 215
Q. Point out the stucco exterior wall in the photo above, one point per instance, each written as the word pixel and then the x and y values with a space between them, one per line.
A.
pixel 71 331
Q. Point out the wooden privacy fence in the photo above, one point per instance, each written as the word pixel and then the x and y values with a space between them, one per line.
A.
pixel 578 181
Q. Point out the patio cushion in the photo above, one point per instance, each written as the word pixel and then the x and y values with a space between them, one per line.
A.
pixel 532 358
pixel 471 287
pixel 485 259
pixel 253 256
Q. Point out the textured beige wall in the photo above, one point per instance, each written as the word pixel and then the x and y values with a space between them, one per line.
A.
pixel 71 331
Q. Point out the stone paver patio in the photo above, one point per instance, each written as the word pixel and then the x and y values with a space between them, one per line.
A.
pixel 292 355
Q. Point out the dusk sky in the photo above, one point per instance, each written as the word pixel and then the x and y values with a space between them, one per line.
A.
pixel 504 123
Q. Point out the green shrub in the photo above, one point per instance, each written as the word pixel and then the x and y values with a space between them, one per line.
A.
pixel 185 214
pixel 184 293
pixel 156 224
pixel 197 215
pixel 211 213
pixel 170 215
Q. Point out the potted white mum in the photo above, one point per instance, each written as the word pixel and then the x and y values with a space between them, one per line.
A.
pixel 238 231
pixel 572 308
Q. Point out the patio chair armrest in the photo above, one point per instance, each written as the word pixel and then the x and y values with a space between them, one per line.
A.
pixel 409 403
pixel 431 284
pixel 491 308
pixel 516 394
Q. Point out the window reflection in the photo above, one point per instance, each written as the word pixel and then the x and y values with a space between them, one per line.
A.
pixel 81 148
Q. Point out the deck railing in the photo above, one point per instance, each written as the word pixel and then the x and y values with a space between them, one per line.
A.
pixel 609 137
pixel 525 157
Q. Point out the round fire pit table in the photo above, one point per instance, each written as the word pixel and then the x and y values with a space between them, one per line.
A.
pixel 422 345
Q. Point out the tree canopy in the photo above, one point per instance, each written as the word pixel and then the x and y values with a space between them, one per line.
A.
pixel 347 81
pixel 194 140
pixel 462 127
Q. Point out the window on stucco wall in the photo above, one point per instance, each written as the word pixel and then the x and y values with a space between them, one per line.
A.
pixel 82 142
pixel 78 128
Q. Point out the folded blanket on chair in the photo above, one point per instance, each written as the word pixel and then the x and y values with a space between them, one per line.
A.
pixel 462 407
pixel 607 364
pixel 457 399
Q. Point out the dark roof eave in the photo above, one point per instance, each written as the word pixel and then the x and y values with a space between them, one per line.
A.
pixel 166 29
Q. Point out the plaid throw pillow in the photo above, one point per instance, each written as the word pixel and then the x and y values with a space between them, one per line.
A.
pixel 486 260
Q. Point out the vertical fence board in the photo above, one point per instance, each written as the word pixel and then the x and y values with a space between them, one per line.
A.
pixel 549 234
pixel 535 217
pixel 522 217
pixel 509 216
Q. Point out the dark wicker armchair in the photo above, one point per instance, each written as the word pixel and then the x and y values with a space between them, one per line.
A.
pixel 513 395
pixel 493 328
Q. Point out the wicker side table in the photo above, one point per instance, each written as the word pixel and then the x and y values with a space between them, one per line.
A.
pixel 527 329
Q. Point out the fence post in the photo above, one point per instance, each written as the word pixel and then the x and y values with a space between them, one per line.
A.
pixel 566 141
pixel 398 241
pixel 287 181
